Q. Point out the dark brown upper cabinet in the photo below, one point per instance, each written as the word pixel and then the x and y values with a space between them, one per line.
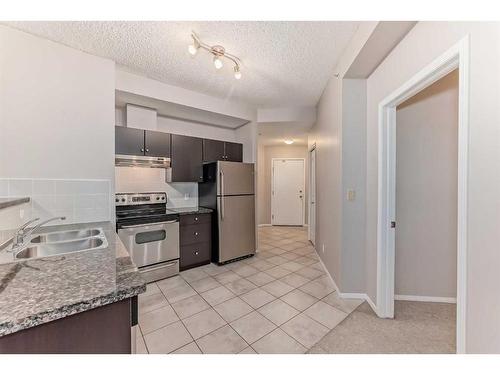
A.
pixel 213 150
pixel 233 151
pixel 156 143
pixel 218 150
pixel 130 141
pixel 187 158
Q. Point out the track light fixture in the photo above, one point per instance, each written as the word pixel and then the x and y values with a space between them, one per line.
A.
pixel 218 52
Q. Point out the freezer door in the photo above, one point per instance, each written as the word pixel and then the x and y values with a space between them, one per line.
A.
pixel 236 226
pixel 235 178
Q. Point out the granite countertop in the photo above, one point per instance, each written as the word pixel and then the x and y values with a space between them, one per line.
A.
pixel 191 210
pixel 9 202
pixel 37 291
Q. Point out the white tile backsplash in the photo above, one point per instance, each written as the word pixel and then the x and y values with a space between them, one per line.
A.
pixel 144 180
pixel 78 200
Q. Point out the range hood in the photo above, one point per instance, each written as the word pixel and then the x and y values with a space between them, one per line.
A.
pixel 142 161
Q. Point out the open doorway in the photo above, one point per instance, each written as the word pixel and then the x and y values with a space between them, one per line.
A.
pixel 455 57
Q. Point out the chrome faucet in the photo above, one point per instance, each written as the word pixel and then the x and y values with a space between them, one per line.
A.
pixel 19 238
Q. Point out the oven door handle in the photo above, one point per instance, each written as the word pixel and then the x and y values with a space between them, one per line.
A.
pixel 148 224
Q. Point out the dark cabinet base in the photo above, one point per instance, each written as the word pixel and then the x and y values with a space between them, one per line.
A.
pixel 104 330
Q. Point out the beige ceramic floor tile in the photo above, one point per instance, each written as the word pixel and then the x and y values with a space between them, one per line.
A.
pixel 140 345
pixel 167 339
pixel 318 289
pixel 278 312
pixel 310 273
pixel 278 342
pixel 299 299
pixel 233 309
pixel 325 314
pixel 179 293
pixel 190 306
pixel 347 305
pixel 171 282
pixel 277 272
pixel 227 277
pixel 190 348
pixel 222 341
pixel 252 327
pixel 294 280
pixel 260 278
pixel 193 274
pixel 248 350
pixel 245 270
pixel 278 288
pixel 151 288
pixel 153 320
pixel 257 298
pixel 277 260
pixel 151 302
pixel 202 323
pixel 240 286
pixel 305 330
pixel 202 285
pixel 217 295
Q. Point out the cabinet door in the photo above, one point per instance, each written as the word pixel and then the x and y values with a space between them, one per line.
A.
pixel 234 151
pixel 129 141
pixel 213 150
pixel 157 144
pixel 186 154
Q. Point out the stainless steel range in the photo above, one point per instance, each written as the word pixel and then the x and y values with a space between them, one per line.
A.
pixel 149 232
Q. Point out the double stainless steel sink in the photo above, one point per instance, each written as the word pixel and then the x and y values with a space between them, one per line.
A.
pixel 63 242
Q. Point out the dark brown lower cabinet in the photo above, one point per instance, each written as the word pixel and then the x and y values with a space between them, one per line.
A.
pixel 103 330
pixel 195 240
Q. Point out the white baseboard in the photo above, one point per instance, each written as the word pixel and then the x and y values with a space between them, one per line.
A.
pixel 403 297
pixel 264 225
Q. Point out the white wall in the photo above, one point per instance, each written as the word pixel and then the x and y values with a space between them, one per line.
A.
pixel 265 177
pixel 425 42
pixel 56 119
pixel 327 135
pixel 426 191
pixel 353 178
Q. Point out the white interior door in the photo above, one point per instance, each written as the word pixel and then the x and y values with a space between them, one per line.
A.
pixel 312 196
pixel 287 206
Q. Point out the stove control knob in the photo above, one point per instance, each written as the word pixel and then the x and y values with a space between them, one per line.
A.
pixel 123 199
pixel 162 198
pixel 157 198
pixel 117 200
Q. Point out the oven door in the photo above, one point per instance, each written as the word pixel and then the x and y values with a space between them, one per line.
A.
pixel 151 243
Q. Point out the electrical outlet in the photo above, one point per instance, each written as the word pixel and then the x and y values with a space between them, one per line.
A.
pixel 323 248
pixel 186 196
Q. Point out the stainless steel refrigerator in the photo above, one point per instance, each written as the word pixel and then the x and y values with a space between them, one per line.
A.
pixel 228 188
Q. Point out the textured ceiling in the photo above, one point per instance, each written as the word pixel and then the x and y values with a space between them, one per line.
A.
pixel 284 63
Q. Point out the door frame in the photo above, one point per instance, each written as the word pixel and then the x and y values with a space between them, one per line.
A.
pixel 272 187
pixel 456 57
pixel 310 229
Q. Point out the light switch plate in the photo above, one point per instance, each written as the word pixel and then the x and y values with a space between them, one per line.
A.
pixel 351 195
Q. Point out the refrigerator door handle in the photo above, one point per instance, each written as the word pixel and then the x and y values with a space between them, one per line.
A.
pixel 222 194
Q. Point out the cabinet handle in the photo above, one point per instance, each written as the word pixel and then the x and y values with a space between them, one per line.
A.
pixel 147 150
pixel 196 253
pixel 142 150
pixel 195 219
pixel 195 233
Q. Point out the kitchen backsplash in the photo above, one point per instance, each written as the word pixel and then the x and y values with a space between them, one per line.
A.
pixel 78 200
pixel 147 180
